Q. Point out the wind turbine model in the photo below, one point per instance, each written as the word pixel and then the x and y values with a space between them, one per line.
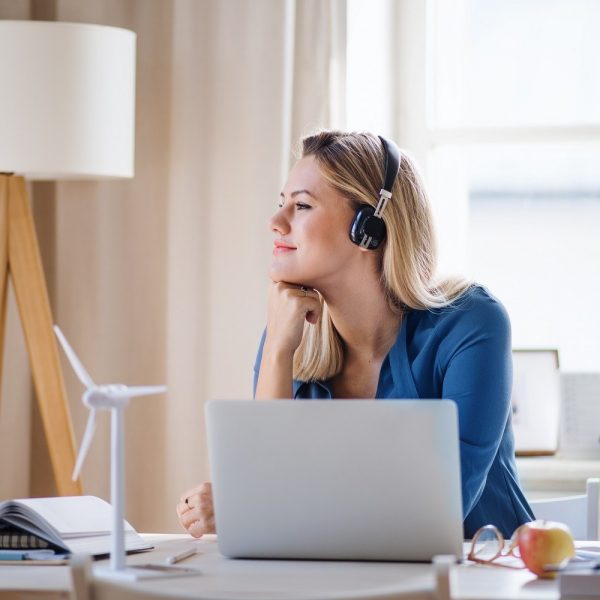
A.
pixel 103 397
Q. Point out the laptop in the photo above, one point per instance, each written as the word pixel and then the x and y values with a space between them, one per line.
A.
pixel 336 480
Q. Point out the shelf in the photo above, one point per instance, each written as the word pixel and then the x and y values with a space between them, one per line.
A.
pixel 555 474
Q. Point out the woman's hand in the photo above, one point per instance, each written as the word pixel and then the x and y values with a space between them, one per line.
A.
pixel 195 510
pixel 288 307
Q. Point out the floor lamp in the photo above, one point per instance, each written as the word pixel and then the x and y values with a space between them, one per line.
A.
pixel 67 109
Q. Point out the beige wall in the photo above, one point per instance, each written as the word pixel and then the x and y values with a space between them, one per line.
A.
pixel 162 278
pixel 226 149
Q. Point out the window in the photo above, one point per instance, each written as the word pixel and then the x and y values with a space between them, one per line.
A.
pixel 510 141
pixel 515 109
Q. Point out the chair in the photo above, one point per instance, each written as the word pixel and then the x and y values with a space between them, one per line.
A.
pixel 580 513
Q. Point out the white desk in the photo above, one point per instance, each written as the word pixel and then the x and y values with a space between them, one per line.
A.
pixel 220 579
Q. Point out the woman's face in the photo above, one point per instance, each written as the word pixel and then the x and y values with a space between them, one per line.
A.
pixel 311 226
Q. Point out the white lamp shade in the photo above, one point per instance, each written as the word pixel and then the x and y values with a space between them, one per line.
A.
pixel 67 100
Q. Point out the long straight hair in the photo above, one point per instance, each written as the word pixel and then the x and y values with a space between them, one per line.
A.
pixel 353 164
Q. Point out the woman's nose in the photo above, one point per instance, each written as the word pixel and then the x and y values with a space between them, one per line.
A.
pixel 278 223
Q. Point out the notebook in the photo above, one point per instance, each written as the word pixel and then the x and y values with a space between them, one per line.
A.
pixel 339 480
pixel 66 525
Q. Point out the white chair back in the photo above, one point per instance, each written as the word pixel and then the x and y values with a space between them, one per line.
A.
pixel 580 512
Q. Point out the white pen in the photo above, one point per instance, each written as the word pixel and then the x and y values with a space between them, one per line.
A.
pixel 175 558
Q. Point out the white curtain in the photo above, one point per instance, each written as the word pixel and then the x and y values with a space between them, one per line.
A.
pixel 162 279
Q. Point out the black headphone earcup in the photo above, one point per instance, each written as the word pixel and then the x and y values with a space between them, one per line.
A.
pixel 365 223
pixel 357 227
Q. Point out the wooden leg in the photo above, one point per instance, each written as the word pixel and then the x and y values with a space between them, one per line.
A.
pixel 25 268
pixel 3 262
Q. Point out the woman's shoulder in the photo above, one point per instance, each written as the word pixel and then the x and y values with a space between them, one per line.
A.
pixel 475 309
pixel 477 301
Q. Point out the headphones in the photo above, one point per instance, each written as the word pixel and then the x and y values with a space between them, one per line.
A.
pixel 368 228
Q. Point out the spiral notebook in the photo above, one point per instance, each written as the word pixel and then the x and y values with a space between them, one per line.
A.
pixel 67 525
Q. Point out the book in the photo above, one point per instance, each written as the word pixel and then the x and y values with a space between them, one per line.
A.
pixel 66 525
pixel 580 584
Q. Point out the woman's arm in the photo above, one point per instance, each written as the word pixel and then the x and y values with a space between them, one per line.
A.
pixel 275 374
pixel 289 306
pixel 478 378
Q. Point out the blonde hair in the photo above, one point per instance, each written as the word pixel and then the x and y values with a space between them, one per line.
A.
pixel 353 164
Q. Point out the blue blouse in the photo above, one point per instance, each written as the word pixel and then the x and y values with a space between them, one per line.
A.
pixel 461 352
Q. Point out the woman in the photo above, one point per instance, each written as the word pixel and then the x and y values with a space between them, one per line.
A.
pixel 361 316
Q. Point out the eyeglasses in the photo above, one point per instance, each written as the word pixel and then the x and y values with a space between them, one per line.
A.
pixel 488 545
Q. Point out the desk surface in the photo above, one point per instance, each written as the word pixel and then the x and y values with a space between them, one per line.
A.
pixel 221 578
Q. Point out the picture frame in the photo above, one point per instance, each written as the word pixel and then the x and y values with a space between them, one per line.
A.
pixel 535 401
pixel 579 436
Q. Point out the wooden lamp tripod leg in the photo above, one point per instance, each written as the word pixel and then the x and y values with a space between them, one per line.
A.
pixel 25 268
pixel 3 263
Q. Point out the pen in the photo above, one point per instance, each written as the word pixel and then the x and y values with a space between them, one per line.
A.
pixel 12 555
pixel 175 558
pixel 26 554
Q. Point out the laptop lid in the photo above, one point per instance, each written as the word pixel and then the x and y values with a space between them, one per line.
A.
pixel 342 479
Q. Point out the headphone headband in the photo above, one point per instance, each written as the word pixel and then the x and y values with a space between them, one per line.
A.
pixel 391 164
pixel 368 228
pixel 390 169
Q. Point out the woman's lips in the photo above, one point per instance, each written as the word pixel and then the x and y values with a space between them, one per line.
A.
pixel 281 248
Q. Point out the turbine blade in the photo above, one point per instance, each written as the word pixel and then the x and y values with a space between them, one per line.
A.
pixel 86 442
pixel 75 362
pixel 142 390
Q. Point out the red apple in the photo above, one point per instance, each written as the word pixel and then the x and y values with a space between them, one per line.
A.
pixel 544 543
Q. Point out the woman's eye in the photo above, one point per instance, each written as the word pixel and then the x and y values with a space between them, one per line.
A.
pixel 302 206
